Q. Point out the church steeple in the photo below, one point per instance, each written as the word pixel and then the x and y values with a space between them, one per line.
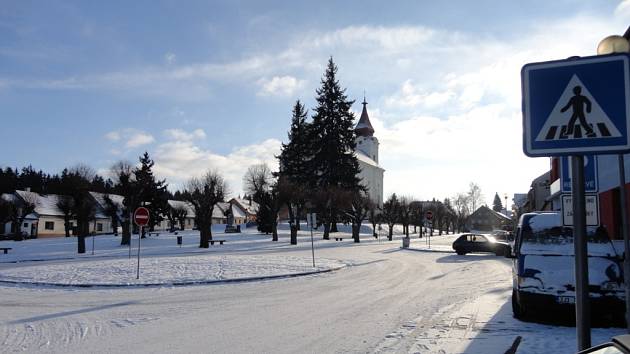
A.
pixel 364 127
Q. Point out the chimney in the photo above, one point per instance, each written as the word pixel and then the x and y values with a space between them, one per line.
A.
pixel 28 189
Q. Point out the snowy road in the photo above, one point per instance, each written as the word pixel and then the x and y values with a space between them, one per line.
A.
pixel 389 300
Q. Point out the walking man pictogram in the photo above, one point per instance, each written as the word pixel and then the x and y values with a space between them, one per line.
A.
pixel 577 103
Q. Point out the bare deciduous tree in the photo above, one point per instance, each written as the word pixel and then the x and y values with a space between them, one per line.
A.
pixel 122 171
pixel 204 193
pixel 359 206
pixel 390 214
pixel 404 213
pixel 65 204
pixel 475 197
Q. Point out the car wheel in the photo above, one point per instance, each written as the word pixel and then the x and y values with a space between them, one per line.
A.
pixel 498 252
pixel 517 309
pixel 460 252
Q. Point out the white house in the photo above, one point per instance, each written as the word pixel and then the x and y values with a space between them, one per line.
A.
pixel 247 207
pixel 367 153
pixel 47 219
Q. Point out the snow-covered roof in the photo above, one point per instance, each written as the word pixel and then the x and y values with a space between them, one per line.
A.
pixel 11 198
pixel 520 199
pixel 501 215
pixel 46 204
pixel 115 198
pixel 190 210
pixel 250 207
pixel 238 212
pixel 219 209
pixel 366 159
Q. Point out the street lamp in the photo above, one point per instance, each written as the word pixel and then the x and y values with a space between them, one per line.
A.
pixel 613 44
pixel 506 209
pixel 609 45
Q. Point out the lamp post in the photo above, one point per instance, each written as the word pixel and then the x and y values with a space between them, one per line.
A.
pixel 609 45
pixel 506 209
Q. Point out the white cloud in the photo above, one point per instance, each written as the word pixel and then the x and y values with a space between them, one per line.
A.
pixel 132 138
pixel 623 10
pixel 279 86
pixel 179 134
pixel 393 39
pixel 170 58
pixel 114 136
pixel 411 96
pixel 178 161
pixel 139 139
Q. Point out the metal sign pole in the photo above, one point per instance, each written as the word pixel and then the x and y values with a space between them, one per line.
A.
pixel 582 308
pixel 312 243
pixel 624 231
pixel 139 237
pixel 130 232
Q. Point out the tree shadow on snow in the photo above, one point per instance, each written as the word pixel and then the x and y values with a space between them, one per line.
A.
pixel 455 258
pixel 70 313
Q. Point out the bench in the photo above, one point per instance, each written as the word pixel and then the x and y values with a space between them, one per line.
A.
pixel 229 229
pixel 338 238
pixel 219 241
pixel 6 249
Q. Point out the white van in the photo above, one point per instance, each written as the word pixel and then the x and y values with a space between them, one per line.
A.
pixel 543 268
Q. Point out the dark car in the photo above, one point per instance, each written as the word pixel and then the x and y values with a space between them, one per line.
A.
pixel 469 243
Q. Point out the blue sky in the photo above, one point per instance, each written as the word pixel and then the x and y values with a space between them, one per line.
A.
pixel 211 84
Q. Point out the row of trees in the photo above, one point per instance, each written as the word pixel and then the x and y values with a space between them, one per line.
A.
pixel 319 172
pixel 318 167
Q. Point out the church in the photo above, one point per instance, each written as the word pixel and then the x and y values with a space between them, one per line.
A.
pixel 367 153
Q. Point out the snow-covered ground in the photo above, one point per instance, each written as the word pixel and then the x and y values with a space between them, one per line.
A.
pixel 385 299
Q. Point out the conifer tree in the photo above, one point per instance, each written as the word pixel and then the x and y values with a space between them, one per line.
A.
pixel 496 204
pixel 294 166
pixel 334 164
pixel 333 136
pixel 151 191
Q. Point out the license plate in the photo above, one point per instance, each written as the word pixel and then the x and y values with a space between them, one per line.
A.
pixel 566 299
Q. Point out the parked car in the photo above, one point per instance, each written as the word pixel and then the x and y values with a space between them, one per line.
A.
pixel 618 345
pixel 469 243
pixel 543 269
pixel 501 235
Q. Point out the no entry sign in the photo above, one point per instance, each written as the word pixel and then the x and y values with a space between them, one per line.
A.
pixel 141 216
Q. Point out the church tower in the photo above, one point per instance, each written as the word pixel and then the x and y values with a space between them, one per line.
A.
pixel 371 174
pixel 366 141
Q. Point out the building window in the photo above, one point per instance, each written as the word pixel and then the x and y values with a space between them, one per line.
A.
pixel 25 224
pixel 49 225
pixel 99 226
pixel 188 221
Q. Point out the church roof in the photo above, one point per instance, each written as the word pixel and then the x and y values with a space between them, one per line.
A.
pixel 362 157
pixel 364 127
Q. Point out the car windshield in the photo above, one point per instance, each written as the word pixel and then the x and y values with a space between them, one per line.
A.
pixel 560 235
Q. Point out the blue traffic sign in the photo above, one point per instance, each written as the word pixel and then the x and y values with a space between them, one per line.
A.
pixel 590 174
pixel 577 106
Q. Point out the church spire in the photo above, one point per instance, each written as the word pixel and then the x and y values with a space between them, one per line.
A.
pixel 364 127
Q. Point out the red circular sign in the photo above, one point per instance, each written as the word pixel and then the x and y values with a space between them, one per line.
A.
pixel 428 215
pixel 141 216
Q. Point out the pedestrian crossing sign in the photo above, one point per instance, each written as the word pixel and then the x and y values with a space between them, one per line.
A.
pixel 577 106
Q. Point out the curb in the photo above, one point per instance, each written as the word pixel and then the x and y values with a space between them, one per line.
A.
pixel 427 250
pixel 177 284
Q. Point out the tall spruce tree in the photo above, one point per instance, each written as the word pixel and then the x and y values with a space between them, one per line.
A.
pixel 334 164
pixel 294 166
pixel 496 204
pixel 151 191
pixel 333 138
